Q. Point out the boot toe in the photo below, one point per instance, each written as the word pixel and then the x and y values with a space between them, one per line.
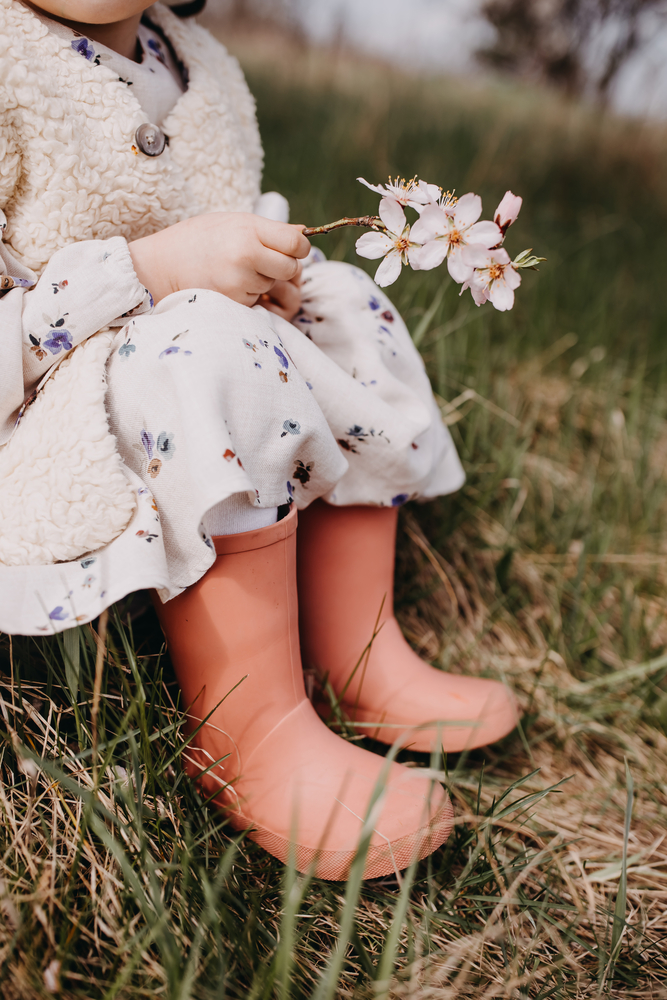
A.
pixel 443 710
pixel 306 794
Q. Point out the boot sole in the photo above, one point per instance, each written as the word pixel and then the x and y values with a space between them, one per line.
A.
pixel 335 866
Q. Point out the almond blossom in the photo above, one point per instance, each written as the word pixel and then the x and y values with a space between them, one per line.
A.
pixel 448 228
pixel 413 193
pixel 445 230
pixel 395 244
pixel 493 278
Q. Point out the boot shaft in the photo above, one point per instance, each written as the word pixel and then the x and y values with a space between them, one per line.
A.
pixel 233 635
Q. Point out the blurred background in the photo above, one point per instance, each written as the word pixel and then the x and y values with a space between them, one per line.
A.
pixel 611 49
pixel 558 408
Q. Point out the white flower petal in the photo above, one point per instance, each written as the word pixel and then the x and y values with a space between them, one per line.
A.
pixel 501 295
pixel 467 210
pixel 372 187
pixel 414 258
pixel 423 194
pixel 430 255
pixel 486 234
pixel 372 245
pixel 459 270
pixel 512 277
pixel 392 215
pixel 475 255
pixel 431 223
pixel 389 270
pixel 479 291
pixel 421 232
pixel 432 190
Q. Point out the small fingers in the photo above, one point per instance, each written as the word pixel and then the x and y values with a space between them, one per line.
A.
pixel 276 265
pixel 298 277
pixel 284 238
pixel 284 299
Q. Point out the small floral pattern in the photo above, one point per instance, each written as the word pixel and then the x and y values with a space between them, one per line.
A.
pixel 281 357
pixel 148 441
pixel 165 446
pixel 157 451
pixel 84 47
pixel 291 427
pixel 155 49
pixel 173 349
pixel 59 339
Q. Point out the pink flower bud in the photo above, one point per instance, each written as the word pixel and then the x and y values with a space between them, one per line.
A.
pixel 507 211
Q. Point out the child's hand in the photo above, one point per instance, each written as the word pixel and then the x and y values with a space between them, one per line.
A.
pixel 284 299
pixel 235 253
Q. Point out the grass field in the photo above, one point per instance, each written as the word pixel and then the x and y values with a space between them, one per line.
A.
pixel 549 569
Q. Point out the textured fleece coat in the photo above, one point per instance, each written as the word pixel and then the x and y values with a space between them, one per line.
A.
pixel 70 171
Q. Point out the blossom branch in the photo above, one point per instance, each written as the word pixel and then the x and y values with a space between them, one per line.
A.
pixel 364 221
pixel 447 228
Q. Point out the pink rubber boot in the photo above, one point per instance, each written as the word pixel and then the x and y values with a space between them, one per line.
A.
pixel 234 642
pixel 345 570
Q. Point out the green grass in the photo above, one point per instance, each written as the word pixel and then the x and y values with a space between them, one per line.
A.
pixel 548 568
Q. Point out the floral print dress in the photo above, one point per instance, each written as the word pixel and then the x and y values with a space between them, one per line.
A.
pixel 208 399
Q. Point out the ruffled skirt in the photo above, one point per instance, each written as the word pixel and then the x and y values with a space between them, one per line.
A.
pixel 208 399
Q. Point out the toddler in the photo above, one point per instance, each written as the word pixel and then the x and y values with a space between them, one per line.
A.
pixel 183 374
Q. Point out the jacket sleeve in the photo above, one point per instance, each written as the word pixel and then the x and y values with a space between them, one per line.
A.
pixel 84 288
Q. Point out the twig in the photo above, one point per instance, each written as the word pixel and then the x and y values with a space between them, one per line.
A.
pixel 365 221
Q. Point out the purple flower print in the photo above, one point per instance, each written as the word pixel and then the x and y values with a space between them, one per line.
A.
pixel 281 357
pixel 156 51
pixel 204 537
pixel 84 48
pixel 399 500
pixel 148 442
pixel 291 427
pixel 165 446
pixel 386 330
pixel 59 340
pixel 58 614
pixel 173 350
pixel 374 303
pixel 290 490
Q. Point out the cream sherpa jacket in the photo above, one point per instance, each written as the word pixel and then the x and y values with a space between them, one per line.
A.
pixel 70 171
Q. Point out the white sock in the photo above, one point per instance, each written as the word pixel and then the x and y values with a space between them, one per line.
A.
pixel 237 514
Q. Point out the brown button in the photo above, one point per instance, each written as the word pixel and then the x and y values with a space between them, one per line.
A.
pixel 150 139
